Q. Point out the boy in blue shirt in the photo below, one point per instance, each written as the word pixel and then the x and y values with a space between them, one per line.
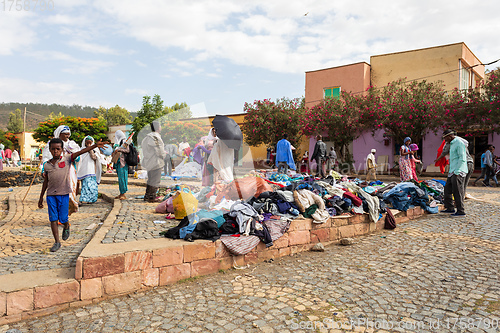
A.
pixel 56 183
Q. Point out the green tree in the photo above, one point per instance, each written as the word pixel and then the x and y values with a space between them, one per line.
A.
pixel 340 118
pixel 177 111
pixel 114 116
pixel 410 108
pixel 53 116
pixel 265 121
pixel 151 109
pixel 80 128
pixel 16 123
pixel 7 139
pixel 192 131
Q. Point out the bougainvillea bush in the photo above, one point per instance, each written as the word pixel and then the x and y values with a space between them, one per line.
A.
pixel 266 121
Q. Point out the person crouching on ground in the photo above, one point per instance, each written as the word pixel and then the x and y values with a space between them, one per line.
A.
pixel 56 182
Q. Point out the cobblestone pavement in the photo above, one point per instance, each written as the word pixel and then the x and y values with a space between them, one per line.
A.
pixel 26 238
pixel 431 274
pixel 137 219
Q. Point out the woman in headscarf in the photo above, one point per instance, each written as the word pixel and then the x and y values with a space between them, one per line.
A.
pixel 69 147
pixel 221 158
pixel 15 158
pixel 154 155
pixel 406 161
pixel 201 153
pixel 120 149
pixel 89 172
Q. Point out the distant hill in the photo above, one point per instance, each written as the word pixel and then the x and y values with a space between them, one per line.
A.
pixel 37 112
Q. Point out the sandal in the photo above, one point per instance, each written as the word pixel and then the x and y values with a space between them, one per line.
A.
pixel 170 216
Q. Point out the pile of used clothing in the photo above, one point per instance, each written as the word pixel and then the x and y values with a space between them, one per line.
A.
pixel 260 206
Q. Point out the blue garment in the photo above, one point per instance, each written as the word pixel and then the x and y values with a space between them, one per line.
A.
pixel 407 194
pixel 488 159
pixel 90 189
pixel 58 206
pixel 284 153
pixel 216 215
pixel 193 220
pixel 122 173
pixel 482 161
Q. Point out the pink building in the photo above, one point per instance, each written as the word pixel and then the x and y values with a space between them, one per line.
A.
pixel 454 64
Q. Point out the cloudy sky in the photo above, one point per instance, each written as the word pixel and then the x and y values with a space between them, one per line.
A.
pixel 216 53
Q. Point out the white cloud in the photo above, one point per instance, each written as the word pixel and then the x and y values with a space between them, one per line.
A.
pixel 91 47
pixel 19 90
pixel 276 35
pixel 72 65
pixel 16 31
pixel 135 91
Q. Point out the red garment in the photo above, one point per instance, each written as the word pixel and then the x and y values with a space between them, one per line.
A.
pixel 443 161
pixel 356 201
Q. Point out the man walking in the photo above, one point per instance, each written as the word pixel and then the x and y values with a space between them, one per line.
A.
pixel 371 166
pixel 284 157
pixel 489 159
pixel 454 187
pixel 319 155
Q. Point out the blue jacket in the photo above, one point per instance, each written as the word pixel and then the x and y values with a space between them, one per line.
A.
pixel 284 153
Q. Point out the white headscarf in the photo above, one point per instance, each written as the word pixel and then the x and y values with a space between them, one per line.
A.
pixel 69 146
pixel 119 136
pixel 88 167
pixel 62 129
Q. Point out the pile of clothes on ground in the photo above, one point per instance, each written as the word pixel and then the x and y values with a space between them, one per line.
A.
pixel 261 205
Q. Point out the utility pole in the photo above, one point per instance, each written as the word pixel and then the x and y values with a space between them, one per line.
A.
pixel 24 121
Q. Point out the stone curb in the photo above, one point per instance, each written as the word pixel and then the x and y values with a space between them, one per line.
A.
pixel 109 270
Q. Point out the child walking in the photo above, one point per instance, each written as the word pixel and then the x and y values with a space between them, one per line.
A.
pixel 56 182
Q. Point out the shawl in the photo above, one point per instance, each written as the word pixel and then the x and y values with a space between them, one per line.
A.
pixel 88 167
pixel 69 147
pixel 119 136
pixel 222 159
pixel 284 153
pixel 153 150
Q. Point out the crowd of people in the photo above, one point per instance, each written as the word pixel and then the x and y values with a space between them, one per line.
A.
pixel 66 165
pixel 10 157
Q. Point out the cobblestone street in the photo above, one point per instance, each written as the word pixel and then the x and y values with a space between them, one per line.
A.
pixel 436 273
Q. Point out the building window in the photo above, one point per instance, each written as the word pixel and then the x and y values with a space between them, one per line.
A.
pixel 331 92
pixel 464 77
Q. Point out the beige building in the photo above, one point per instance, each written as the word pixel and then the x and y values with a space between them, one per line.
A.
pixel 454 64
pixel 28 145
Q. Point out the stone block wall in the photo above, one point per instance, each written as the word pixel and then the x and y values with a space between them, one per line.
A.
pixel 100 277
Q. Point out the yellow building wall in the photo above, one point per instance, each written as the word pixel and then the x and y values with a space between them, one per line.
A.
pixel 26 143
pixel 440 63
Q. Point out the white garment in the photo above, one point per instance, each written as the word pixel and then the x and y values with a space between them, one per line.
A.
pixel 119 136
pixel 187 169
pixel 69 147
pixel 87 166
pixel 182 146
pixel 372 158
pixel 153 151
pixel 15 157
pixel 305 199
pixel 222 159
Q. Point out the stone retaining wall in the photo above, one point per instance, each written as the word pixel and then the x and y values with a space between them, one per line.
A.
pixel 109 270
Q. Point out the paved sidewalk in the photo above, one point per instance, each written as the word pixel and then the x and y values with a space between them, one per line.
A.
pixel 25 235
pixel 429 274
